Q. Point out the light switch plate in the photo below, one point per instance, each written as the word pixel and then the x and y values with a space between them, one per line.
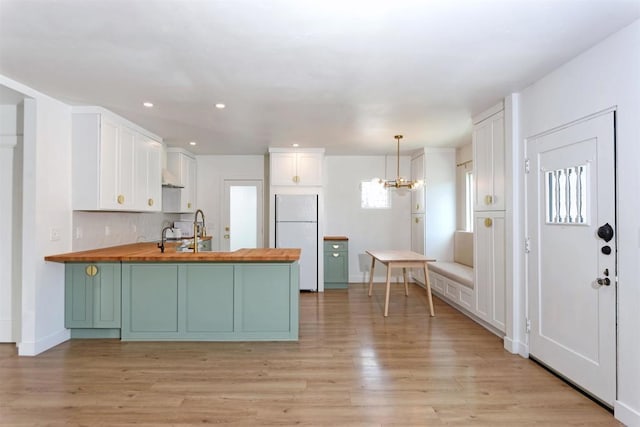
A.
pixel 54 234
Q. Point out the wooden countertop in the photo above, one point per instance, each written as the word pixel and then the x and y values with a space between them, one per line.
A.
pixel 336 238
pixel 149 252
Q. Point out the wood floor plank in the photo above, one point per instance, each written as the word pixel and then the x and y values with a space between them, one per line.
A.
pixel 351 367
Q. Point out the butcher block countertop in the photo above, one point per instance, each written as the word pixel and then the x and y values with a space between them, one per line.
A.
pixel 149 252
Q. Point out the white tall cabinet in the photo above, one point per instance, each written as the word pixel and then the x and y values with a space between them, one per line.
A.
pixel 433 205
pixel 298 171
pixel 489 217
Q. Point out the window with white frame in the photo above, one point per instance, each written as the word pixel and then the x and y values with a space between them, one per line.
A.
pixel 374 196
pixel 468 215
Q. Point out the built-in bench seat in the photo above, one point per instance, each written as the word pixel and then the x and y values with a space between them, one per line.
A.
pixel 460 273
pixel 453 280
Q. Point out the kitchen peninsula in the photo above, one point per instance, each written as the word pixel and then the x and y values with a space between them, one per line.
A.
pixel 135 292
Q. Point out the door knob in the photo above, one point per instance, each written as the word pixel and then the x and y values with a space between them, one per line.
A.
pixel 604 282
pixel 605 232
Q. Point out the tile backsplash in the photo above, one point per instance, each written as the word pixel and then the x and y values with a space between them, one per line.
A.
pixel 93 230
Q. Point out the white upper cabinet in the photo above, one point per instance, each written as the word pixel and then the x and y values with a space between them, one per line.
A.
pixel 107 162
pixel 489 163
pixel 182 165
pixel 148 174
pixel 300 167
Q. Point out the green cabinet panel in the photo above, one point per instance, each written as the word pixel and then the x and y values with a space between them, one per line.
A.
pixel 264 297
pixel 336 264
pixel 92 301
pixel 210 301
pixel 209 298
pixel 151 295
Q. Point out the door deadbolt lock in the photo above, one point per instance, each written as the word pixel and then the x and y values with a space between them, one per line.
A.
pixel 606 249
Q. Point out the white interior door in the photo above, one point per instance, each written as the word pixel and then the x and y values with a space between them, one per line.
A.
pixel 242 216
pixel 571 275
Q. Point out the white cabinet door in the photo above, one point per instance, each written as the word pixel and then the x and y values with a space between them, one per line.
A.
pixel 309 169
pixel 147 174
pixel 489 163
pixel 301 168
pixel 489 268
pixel 283 169
pixel 108 165
pixel 126 147
pixel 183 167
pixel 418 242
pixel 418 195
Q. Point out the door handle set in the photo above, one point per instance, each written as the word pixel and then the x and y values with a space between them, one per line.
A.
pixel 604 281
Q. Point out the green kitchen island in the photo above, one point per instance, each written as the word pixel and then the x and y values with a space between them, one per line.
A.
pixel 138 294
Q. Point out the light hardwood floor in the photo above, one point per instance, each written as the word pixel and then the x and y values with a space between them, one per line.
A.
pixel 350 367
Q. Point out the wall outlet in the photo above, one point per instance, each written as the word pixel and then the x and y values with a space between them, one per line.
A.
pixel 107 230
pixel 54 234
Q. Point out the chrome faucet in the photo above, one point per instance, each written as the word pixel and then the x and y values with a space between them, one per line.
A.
pixel 195 230
pixel 163 238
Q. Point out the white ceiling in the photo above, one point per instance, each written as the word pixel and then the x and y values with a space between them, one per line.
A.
pixel 346 75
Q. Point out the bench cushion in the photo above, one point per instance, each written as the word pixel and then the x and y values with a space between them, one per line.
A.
pixel 457 272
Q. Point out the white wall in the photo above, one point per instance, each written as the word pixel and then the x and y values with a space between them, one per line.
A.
pixel 212 171
pixel 463 154
pixel 606 76
pixel 365 228
pixel 8 142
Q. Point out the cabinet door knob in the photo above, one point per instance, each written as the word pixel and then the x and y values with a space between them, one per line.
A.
pixel 488 199
pixel 488 222
pixel 418 206
pixel 296 179
pixel 335 255
pixel 120 199
pixel 417 220
pixel 226 236
pixel 189 205
pixel 150 202
pixel 91 270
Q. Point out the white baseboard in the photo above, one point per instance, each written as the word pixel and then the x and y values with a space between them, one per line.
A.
pixel 626 415
pixel 30 348
pixel 516 347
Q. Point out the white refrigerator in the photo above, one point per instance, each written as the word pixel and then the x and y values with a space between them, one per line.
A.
pixel 297 227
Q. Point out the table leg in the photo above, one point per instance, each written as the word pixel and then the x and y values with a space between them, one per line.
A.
pixel 386 297
pixel 428 283
pixel 406 286
pixel 373 263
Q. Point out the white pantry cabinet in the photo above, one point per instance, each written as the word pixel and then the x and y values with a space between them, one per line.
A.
pixel 182 165
pixel 302 167
pixel 434 204
pixel 489 163
pixel 104 149
pixel 489 267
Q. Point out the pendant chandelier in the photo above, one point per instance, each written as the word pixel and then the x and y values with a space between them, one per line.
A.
pixel 399 182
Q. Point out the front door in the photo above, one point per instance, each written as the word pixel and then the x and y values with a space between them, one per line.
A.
pixel 242 215
pixel 571 263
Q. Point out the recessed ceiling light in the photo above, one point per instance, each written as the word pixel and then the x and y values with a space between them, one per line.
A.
pixel 220 106
pixel 193 143
pixel 148 104
pixel 295 145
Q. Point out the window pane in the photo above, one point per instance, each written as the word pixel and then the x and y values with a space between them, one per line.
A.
pixel 374 195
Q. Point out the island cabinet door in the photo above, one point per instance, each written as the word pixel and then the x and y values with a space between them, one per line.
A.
pixel 149 301
pixel 267 299
pixel 208 299
pixel 92 295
